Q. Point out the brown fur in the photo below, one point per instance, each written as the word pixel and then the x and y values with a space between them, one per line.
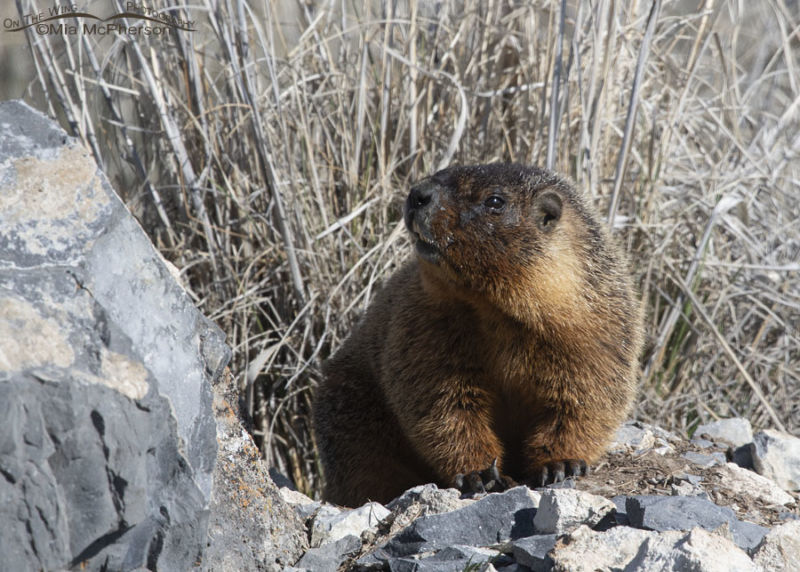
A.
pixel 505 338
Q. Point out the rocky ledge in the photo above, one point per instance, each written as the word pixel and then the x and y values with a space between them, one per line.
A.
pixel 726 500
pixel 120 447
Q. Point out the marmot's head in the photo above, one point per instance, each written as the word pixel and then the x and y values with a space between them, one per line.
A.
pixel 501 230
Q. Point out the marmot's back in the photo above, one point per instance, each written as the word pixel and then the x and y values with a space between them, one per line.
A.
pixel 512 336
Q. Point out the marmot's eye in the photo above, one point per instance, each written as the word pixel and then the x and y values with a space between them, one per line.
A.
pixel 495 202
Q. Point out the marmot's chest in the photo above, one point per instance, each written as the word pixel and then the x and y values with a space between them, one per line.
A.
pixel 515 417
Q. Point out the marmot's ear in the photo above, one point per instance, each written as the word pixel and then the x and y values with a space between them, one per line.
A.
pixel 547 210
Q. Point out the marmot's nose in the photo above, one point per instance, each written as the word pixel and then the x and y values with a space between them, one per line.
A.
pixel 420 205
pixel 420 196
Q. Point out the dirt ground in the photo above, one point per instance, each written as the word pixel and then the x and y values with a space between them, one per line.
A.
pixel 655 474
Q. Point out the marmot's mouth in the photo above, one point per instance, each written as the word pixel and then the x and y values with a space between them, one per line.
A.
pixel 426 250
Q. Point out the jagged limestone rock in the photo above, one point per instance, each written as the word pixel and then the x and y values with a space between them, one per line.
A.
pixel 743 481
pixel 776 455
pixel 108 441
pixel 251 526
pixel 780 549
pixel 734 431
pixel 431 500
pixel 497 517
pixel 564 510
pixel 624 548
pixel 330 524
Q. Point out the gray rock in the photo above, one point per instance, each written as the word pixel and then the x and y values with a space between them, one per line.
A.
pixel 305 511
pixel 427 565
pixel 251 526
pixel 327 558
pixel 743 456
pixel 747 535
pixel 686 484
pixel 615 549
pixel 431 500
pixel 331 524
pixel 676 513
pixel 619 516
pixel 450 559
pixel 702 443
pixel 685 513
pixel 776 455
pixel 705 460
pixel 375 560
pixel 533 551
pixel 513 567
pixel 303 506
pixel 469 552
pixel 625 548
pixel 735 431
pixel 689 478
pixel 108 441
pixel 637 438
pixel 780 548
pixel 566 484
pixel 620 502
pixel 744 482
pixel 632 436
pixel 323 517
pixel 88 478
pixel 702 551
pixel 424 500
pixel 562 511
pixel 687 489
pixel 493 519
pixel 458 558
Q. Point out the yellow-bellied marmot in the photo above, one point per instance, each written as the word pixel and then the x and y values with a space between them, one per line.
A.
pixel 512 336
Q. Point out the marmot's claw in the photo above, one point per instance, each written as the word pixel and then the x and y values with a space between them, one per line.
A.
pixel 488 480
pixel 470 484
pixel 557 471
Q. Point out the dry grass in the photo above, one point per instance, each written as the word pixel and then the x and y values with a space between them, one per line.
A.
pixel 267 153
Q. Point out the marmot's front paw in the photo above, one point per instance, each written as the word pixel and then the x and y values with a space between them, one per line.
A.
pixel 488 480
pixel 557 471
